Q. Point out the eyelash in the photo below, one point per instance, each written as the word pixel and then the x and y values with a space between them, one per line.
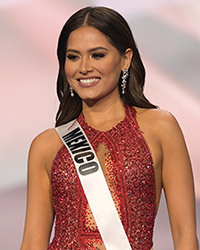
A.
pixel 72 57
pixel 96 56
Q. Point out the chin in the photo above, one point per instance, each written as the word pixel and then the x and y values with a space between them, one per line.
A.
pixel 91 100
pixel 92 96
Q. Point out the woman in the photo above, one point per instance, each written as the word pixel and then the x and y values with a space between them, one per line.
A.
pixel 140 148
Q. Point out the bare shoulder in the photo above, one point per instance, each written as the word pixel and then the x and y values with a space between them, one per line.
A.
pixel 160 119
pixel 159 114
pixel 46 140
pixel 161 124
pixel 165 122
pixel 44 147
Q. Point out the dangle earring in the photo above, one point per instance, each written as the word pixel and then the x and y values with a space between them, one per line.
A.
pixel 71 91
pixel 124 80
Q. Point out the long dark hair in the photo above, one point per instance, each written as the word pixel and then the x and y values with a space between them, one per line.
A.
pixel 116 29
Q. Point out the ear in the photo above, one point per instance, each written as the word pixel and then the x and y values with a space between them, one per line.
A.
pixel 127 58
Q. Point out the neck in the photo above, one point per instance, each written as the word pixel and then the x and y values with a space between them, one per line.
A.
pixel 104 115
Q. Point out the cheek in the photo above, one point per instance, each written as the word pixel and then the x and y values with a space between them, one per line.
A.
pixel 112 68
pixel 69 70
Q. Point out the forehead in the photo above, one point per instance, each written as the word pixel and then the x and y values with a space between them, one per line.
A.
pixel 87 36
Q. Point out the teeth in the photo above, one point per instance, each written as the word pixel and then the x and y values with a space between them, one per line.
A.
pixel 89 81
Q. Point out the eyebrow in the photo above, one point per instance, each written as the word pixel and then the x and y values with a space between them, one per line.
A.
pixel 90 50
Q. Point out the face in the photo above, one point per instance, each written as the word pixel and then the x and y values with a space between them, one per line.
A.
pixel 93 65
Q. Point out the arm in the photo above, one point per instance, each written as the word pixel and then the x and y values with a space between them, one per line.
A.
pixel 178 185
pixel 40 213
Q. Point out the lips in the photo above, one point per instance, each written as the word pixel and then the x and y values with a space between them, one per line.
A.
pixel 87 82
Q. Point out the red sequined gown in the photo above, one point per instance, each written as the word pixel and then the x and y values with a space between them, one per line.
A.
pixel 130 176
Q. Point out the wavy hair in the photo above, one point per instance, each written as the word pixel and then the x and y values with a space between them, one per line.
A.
pixel 117 30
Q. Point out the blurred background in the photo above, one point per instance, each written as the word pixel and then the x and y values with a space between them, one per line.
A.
pixel 168 36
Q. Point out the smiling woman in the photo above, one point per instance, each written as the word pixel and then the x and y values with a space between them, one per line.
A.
pixel 101 173
pixel 93 69
pixel 116 33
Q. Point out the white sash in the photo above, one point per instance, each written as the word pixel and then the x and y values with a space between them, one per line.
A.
pixel 94 186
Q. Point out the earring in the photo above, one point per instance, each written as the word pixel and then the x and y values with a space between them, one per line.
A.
pixel 71 91
pixel 124 80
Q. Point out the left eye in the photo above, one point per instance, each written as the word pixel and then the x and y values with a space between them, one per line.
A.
pixel 98 55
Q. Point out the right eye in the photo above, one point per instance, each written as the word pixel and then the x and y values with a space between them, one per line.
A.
pixel 72 57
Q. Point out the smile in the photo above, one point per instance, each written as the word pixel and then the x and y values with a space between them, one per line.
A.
pixel 89 81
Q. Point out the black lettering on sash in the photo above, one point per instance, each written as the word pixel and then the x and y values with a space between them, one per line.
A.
pixel 74 133
pixel 88 168
pixel 80 150
pixel 79 157
pixel 75 140
pixel 78 145
pixel 82 153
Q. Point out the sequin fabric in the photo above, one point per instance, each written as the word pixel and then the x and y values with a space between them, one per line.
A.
pixel 130 176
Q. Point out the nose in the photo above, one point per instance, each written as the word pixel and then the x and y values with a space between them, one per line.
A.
pixel 85 65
